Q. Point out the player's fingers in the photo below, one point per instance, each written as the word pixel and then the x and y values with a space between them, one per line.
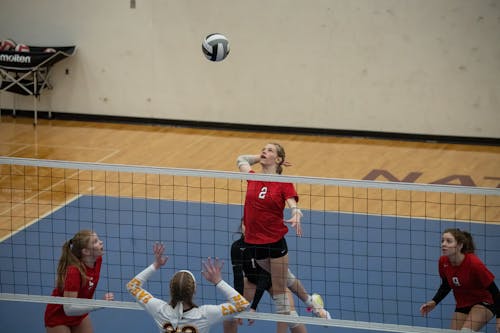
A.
pixel 208 265
pixel 218 264
pixel 109 296
pixel 158 248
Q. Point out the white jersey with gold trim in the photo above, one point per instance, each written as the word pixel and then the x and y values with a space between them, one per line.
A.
pixel 195 320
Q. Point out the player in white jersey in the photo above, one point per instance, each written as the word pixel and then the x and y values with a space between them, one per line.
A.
pixel 181 314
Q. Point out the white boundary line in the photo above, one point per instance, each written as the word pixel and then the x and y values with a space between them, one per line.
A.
pixel 51 211
pixel 57 146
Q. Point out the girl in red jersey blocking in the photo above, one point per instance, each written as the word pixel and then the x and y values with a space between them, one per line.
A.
pixel 77 276
pixel 265 229
pixel 476 294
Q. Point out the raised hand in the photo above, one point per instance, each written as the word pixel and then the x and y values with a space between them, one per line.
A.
pixel 160 259
pixel 212 270
pixel 109 297
pixel 295 221
pixel 427 307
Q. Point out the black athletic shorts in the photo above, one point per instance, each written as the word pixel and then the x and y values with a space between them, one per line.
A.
pixel 467 309
pixel 273 250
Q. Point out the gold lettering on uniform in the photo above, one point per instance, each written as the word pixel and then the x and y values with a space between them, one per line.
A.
pixel 240 306
pixel 227 310
pixel 224 310
pixel 240 302
pixel 134 282
pixel 134 290
pixel 142 295
pixel 134 286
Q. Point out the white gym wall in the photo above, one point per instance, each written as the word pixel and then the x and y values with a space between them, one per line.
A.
pixel 408 66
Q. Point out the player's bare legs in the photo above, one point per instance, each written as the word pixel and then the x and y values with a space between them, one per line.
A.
pixel 84 327
pixel 314 301
pixel 58 329
pixel 278 267
pixel 477 318
pixel 457 321
pixel 294 328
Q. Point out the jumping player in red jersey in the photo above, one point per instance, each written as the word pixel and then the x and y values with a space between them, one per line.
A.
pixel 265 229
pixel 77 276
pixel 181 314
pixel 476 294
pixel 251 281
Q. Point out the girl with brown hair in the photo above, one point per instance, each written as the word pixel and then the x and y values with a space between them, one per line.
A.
pixel 476 294
pixel 77 276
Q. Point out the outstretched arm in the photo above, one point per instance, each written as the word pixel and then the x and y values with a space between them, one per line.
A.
pixel 73 282
pixel 443 290
pixel 78 310
pixel 212 273
pixel 134 286
pixel 160 258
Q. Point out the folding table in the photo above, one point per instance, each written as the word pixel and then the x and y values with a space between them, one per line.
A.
pixel 28 73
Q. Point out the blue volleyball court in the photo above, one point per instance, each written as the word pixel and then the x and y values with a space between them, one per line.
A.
pixel 367 267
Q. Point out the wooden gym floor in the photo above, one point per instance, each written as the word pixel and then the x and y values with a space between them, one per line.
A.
pixel 319 156
pixel 23 203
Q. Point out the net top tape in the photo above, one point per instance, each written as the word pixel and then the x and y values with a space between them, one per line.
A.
pixel 250 176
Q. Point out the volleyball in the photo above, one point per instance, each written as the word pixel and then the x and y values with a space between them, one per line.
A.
pixel 215 47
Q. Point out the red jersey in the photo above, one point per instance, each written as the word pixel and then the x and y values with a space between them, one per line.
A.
pixel 54 313
pixel 469 281
pixel 263 212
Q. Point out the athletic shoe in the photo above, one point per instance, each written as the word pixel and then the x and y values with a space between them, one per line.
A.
pixel 318 307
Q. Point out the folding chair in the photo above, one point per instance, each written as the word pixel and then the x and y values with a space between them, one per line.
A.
pixel 28 73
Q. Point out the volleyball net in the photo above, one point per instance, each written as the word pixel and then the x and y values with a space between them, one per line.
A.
pixel 369 248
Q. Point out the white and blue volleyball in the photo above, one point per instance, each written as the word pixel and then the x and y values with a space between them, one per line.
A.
pixel 215 47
